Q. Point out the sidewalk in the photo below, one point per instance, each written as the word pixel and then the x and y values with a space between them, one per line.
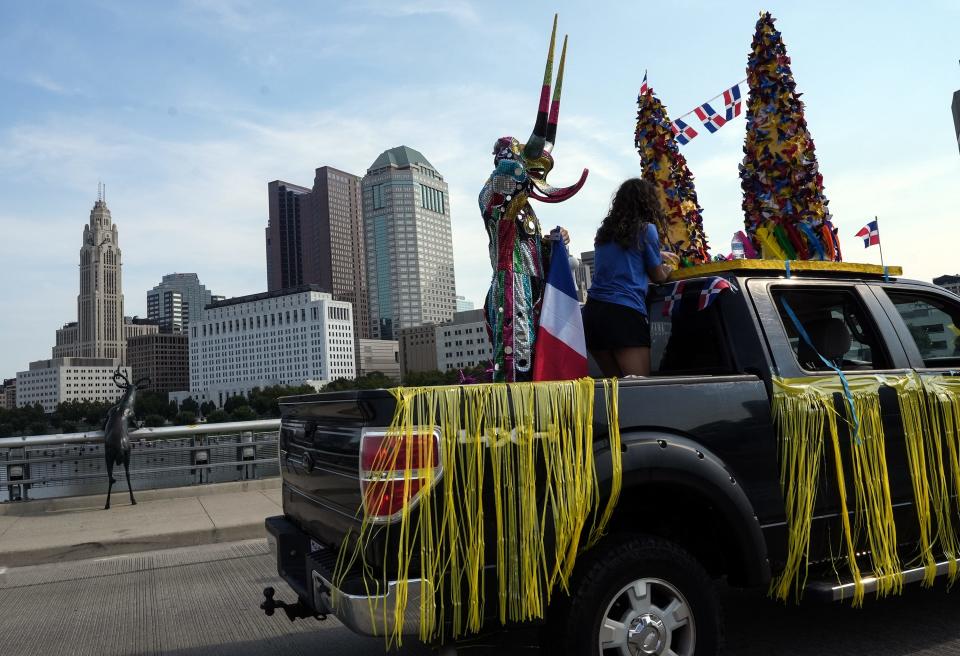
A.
pixel 55 530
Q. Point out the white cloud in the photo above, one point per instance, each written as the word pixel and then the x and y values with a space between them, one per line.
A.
pixel 459 10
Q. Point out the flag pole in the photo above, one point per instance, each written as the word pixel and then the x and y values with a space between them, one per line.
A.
pixel 880 244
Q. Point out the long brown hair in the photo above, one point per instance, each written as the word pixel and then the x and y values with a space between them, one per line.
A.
pixel 634 205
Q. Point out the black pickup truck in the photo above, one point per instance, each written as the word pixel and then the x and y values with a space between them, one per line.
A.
pixel 701 494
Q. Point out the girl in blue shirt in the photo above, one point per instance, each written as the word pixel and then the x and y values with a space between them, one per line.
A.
pixel 627 256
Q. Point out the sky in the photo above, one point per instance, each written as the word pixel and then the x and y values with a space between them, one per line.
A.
pixel 186 109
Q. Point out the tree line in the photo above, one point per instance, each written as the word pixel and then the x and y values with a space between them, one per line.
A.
pixel 154 408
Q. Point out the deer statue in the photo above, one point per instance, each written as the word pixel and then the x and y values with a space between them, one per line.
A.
pixel 116 436
pixel 517 249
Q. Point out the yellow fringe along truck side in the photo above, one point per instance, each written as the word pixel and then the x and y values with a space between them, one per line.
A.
pixel 806 412
pixel 532 443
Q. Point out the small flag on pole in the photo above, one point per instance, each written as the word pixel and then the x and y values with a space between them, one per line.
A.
pixel 561 350
pixel 870 234
pixel 731 102
pixel 644 87
pixel 683 132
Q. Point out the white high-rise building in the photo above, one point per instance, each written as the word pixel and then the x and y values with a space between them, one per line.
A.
pixel 50 382
pixel 409 246
pixel 286 337
pixel 98 332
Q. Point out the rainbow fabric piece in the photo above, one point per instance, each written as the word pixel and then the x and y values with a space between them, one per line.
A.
pixel 533 443
pixel 806 414
pixel 785 210
pixel 665 166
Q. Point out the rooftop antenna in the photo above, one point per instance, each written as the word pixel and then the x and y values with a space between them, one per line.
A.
pixel 99 191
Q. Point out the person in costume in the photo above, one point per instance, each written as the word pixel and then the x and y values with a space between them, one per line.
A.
pixel 518 249
pixel 627 257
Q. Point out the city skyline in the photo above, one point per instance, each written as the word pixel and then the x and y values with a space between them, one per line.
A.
pixel 185 150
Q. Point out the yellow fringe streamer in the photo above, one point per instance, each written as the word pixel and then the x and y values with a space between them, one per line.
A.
pixel 804 410
pixel 533 444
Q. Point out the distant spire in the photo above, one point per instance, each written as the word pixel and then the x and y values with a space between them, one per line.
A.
pixel 99 191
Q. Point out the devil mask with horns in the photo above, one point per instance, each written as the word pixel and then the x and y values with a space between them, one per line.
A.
pixel 517 249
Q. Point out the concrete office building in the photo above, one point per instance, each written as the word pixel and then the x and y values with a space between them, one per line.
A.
pixel 51 382
pixel 286 337
pixel 315 237
pixel 164 358
pixel 948 282
pixel 176 300
pixel 464 305
pixel 98 332
pixel 381 355
pixel 417 349
pixel 8 394
pixel 463 342
pixel 409 247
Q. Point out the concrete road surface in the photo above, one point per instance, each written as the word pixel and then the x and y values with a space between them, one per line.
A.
pixel 203 601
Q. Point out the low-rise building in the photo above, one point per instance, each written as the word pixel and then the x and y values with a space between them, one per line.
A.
pixel 463 342
pixel 381 355
pixel 948 282
pixel 417 349
pixel 51 382
pixel 291 336
pixel 164 358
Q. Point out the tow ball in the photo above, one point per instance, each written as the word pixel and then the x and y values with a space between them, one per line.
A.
pixel 297 611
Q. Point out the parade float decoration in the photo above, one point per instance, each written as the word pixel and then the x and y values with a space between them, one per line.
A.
pixel 785 210
pixel 532 443
pixel 517 250
pixel 666 168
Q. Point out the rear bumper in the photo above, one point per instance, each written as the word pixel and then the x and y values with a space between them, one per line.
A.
pixel 364 606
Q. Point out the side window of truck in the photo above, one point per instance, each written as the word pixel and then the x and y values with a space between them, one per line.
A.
pixel 838 327
pixel 934 324
pixel 687 340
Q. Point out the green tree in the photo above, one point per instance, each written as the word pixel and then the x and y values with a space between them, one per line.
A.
pixel 243 413
pixel 185 418
pixel 190 405
pixel 154 420
pixel 218 417
pixel 234 402
pixel 207 407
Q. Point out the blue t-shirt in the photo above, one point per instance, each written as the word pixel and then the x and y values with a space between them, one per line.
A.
pixel 620 274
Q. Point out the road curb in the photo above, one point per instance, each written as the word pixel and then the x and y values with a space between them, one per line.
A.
pixel 107 548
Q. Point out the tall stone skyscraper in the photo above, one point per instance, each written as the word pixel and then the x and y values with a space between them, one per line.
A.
pixel 409 246
pixel 315 237
pixel 177 301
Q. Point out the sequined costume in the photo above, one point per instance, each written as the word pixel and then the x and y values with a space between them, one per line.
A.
pixel 516 249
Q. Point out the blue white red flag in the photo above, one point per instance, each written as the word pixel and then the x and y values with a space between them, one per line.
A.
pixel 710 292
pixel 709 117
pixel 644 87
pixel 561 350
pixel 683 132
pixel 731 102
pixel 671 303
pixel 870 234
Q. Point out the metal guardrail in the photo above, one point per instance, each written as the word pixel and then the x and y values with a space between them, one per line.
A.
pixel 69 464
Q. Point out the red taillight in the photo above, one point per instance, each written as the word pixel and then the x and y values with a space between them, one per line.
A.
pixel 384 460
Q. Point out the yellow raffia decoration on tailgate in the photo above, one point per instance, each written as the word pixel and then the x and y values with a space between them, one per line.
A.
pixel 806 412
pixel 532 444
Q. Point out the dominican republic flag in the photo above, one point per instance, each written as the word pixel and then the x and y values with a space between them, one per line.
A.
pixel 561 350
pixel 709 117
pixel 671 303
pixel 870 234
pixel 710 292
pixel 683 132
pixel 731 102
pixel 644 87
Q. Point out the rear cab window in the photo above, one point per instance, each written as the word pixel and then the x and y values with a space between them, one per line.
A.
pixel 932 323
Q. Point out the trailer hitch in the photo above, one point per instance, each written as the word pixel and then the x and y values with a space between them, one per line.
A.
pixel 297 611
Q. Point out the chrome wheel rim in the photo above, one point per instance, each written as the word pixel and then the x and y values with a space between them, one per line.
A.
pixel 648 617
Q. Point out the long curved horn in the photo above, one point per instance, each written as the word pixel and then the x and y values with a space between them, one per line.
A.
pixel 537 140
pixel 551 137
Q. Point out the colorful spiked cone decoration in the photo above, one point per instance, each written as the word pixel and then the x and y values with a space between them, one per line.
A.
pixel 666 167
pixel 785 210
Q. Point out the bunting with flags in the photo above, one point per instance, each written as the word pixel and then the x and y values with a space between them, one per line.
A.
pixel 711 119
pixel 683 132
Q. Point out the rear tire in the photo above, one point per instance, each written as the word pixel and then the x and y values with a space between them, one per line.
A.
pixel 637 595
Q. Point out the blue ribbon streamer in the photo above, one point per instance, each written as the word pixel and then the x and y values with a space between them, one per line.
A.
pixel 812 238
pixel 843 379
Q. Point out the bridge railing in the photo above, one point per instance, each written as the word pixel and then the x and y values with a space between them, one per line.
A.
pixel 70 464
